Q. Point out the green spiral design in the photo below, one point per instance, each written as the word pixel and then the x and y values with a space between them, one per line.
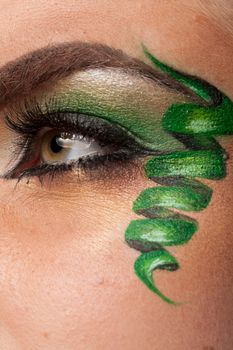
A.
pixel 196 126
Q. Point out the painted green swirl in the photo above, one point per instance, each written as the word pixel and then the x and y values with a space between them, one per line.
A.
pixel 176 173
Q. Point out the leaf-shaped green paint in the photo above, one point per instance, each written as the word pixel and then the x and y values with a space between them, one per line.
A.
pixel 185 198
pixel 201 163
pixel 149 234
pixel 190 119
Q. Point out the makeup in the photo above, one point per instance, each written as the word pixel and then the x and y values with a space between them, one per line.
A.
pixel 119 98
pixel 79 86
pixel 184 194
pixel 192 120
pixel 147 263
pixel 195 126
pixel 150 234
pixel 204 163
pixel 134 103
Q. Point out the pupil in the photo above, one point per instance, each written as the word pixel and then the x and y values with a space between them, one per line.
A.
pixel 55 148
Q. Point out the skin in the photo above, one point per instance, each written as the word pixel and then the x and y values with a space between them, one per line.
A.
pixel 66 281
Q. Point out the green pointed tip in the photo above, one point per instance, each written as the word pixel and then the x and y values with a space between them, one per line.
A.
pixel 201 89
pixel 149 262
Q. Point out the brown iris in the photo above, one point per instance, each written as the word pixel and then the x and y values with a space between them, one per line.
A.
pixel 62 147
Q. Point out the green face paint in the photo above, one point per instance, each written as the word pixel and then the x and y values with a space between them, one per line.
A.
pixel 206 164
pixel 191 120
pixel 203 157
pixel 183 197
pixel 152 233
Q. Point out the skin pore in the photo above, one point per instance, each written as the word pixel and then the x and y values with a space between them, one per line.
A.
pixel 66 276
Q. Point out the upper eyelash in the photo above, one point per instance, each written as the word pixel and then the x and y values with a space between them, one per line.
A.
pixel 27 124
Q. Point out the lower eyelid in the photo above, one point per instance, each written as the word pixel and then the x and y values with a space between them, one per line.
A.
pixel 107 168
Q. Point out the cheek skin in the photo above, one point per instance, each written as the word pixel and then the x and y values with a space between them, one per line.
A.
pixel 52 271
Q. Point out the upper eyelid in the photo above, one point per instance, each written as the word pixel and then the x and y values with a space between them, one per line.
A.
pixel 89 57
pixel 132 101
pixel 76 122
pixel 50 64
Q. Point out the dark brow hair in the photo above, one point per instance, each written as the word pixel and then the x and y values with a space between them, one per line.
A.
pixel 49 64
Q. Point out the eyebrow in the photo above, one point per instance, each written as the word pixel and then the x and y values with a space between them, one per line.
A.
pixel 20 77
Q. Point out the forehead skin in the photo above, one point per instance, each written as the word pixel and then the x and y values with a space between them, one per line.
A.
pixel 180 32
pixel 52 292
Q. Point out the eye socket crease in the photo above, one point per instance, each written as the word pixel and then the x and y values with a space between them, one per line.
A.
pixel 52 63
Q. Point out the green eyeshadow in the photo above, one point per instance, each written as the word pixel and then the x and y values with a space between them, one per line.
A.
pixel 137 104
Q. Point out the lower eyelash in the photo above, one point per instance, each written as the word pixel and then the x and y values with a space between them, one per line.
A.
pixel 86 165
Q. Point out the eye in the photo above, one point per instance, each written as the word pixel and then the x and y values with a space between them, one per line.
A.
pixel 63 147
pixel 47 143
